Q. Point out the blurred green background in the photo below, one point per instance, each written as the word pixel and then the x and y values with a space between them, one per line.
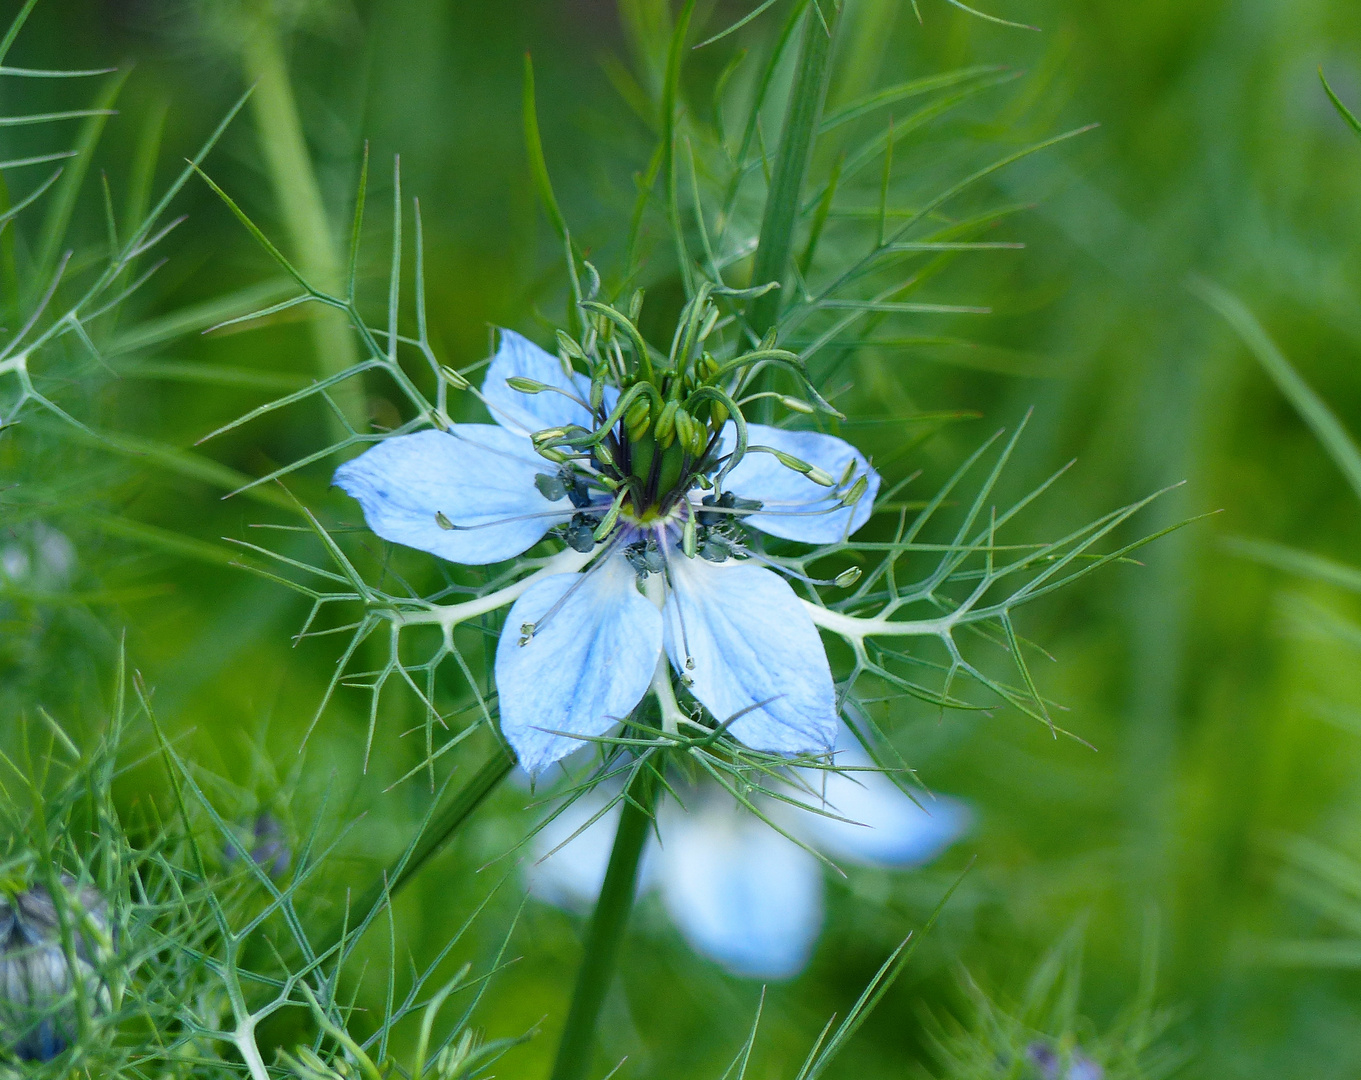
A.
pixel 1222 697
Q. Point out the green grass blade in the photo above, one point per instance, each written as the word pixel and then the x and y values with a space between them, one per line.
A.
pixel 791 165
pixel 1342 110
pixel 64 202
pixel 1312 408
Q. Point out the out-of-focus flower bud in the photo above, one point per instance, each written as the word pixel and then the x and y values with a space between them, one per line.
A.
pixel 269 848
pixel 37 1007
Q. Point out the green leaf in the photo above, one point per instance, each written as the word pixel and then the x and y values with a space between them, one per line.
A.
pixel 791 165
pixel 1312 408
pixel 1342 110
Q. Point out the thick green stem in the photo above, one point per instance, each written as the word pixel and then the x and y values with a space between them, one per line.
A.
pixel 607 928
pixel 791 164
pixel 304 213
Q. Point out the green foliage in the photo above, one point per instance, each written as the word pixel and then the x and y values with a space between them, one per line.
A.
pixel 1219 689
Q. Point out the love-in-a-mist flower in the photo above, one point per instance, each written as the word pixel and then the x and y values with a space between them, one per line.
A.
pixel 651 476
pixel 741 893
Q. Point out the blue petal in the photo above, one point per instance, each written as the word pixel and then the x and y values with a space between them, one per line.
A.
pixel 587 665
pixel 800 509
pixel 527 413
pixel 739 632
pixel 741 893
pixel 570 861
pixel 890 829
pixel 474 475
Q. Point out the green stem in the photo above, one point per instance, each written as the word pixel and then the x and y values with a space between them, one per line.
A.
pixel 796 149
pixel 607 927
pixel 304 213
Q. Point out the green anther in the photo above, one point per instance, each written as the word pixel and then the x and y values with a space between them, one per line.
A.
pixel 857 490
pixel 847 578
pixel 527 386
pixel 666 425
pixel 689 537
pixel 635 305
pixel 798 405
pixel 597 390
pixel 708 366
pixel 603 453
pixel 710 319
pixel 540 439
pixel 850 472
pixel 637 419
pixel 607 523
pixel 789 461
pixel 442 521
pixel 453 378
pixel 569 346
pixel 685 428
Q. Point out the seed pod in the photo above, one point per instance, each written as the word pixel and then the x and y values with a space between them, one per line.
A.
pixel 666 425
pixel 34 973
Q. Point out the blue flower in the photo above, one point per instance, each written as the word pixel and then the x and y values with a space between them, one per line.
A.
pixel 741 893
pixel 656 501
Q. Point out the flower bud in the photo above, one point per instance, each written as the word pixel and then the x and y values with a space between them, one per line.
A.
pixel 34 974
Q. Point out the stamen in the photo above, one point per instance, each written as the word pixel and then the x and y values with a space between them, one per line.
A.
pixel 444 523
pixel 528 630
pixel 663 542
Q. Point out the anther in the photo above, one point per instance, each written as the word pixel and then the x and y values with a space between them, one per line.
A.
pixel 847 578
pixel 550 486
pixel 580 532
pixel 442 521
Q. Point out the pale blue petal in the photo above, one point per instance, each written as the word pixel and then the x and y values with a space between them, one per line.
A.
pixel 569 862
pixel 798 508
pixel 890 829
pixel 479 476
pixel 527 413
pixel 740 893
pixel 586 666
pixel 739 632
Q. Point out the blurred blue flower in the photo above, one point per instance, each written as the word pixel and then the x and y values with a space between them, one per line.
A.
pixel 741 893
pixel 580 649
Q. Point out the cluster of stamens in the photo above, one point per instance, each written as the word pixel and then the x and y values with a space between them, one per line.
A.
pixel 661 440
